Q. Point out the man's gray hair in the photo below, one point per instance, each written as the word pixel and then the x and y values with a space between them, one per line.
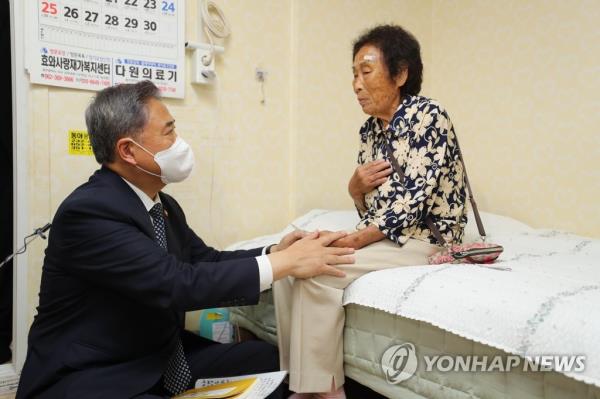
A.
pixel 117 112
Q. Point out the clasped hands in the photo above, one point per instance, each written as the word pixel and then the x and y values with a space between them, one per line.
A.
pixel 303 254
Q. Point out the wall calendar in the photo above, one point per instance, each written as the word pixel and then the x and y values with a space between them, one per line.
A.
pixel 93 44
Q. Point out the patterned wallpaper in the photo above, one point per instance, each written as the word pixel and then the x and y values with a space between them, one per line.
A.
pixel 519 79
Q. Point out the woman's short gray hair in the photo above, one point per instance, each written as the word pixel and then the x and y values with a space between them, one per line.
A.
pixel 117 112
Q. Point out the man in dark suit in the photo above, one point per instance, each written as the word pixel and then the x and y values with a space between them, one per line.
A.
pixel 122 266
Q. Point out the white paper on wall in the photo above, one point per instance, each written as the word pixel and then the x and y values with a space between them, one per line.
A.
pixel 93 44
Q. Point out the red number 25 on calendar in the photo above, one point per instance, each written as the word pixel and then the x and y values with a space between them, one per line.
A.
pixel 49 8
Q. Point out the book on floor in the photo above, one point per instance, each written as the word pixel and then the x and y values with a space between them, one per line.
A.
pixel 254 386
pixel 229 390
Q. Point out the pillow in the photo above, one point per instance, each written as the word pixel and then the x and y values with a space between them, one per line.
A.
pixel 323 219
pixel 326 220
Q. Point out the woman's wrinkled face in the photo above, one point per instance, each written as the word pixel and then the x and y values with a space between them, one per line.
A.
pixel 377 93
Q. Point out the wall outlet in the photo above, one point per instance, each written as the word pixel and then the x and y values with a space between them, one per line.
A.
pixel 203 71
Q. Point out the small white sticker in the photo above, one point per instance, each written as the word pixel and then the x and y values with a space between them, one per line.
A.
pixel 222 331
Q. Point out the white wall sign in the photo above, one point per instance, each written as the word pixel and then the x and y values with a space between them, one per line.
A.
pixel 93 44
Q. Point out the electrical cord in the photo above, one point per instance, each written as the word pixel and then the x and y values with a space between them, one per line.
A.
pixel 39 232
pixel 214 23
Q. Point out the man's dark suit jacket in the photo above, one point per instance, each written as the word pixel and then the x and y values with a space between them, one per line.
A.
pixel 112 300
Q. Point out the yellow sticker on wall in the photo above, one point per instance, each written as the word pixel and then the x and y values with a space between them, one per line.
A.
pixel 79 143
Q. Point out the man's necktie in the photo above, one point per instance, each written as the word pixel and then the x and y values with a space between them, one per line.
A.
pixel 177 376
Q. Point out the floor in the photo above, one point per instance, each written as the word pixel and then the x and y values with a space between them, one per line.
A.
pixel 354 390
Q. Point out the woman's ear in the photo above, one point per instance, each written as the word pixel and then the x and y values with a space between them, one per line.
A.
pixel 401 77
pixel 124 150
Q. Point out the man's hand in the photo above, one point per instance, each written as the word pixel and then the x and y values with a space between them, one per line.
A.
pixel 366 177
pixel 311 256
pixel 288 240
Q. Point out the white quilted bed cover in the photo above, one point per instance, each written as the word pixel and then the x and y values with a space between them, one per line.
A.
pixel 548 303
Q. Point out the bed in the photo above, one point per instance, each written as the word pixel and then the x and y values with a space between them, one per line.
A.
pixel 541 298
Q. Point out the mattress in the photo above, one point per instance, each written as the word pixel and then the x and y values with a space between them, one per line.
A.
pixel 542 298
pixel 369 332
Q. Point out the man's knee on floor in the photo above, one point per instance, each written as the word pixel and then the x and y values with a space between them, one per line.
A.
pixel 265 353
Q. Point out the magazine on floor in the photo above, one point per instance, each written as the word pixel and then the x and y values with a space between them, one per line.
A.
pixel 254 386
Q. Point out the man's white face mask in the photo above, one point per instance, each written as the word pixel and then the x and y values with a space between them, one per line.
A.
pixel 176 162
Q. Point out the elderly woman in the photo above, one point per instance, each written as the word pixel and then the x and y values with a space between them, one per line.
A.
pixel 392 232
